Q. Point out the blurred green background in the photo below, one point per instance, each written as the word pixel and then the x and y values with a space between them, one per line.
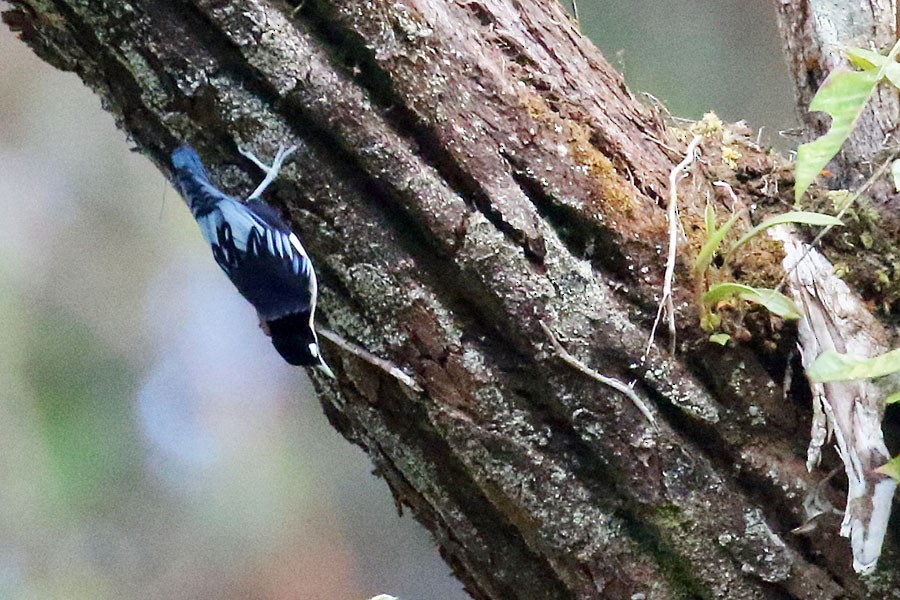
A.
pixel 152 443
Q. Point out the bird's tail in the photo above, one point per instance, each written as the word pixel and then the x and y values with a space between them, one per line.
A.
pixel 187 164
pixel 192 180
pixel 296 342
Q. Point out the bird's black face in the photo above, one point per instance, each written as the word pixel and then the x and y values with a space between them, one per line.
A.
pixel 301 352
pixel 295 340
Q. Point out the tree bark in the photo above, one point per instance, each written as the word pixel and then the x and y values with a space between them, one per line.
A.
pixel 469 173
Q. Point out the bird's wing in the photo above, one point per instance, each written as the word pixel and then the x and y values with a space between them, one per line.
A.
pixel 264 260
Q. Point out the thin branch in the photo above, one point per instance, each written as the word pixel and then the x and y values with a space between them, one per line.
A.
pixel 366 356
pixel 612 382
pixel 875 176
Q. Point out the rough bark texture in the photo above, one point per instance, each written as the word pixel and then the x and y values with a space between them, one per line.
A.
pixel 468 170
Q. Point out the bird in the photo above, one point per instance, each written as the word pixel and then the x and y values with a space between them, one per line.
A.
pixel 259 253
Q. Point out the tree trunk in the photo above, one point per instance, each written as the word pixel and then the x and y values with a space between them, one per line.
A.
pixel 472 175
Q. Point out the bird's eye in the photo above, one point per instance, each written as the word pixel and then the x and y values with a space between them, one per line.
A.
pixel 314 349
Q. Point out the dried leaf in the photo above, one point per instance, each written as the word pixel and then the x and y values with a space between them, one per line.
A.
pixel 849 412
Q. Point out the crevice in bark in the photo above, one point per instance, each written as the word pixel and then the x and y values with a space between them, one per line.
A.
pixel 609 490
pixel 405 420
pixel 355 60
pixel 603 146
pixel 584 238
pixel 718 445
pixel 673 565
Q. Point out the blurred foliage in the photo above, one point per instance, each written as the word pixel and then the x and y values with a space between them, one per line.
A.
pixel 92 442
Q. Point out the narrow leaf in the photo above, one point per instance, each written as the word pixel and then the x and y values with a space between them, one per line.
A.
pixel 803 217
pixel 895 397
pixel 709 218
pixel 775 302
pixel 834 366
pixel 713 241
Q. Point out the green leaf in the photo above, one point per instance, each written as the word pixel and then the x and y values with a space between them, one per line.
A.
pixel 720 338
pixel 843 95
pixel 713 241
pixel 895 397
pixel 864 59
pixel 709 217
pixel 868 59
pixel 834 366
pixel 891 468
pixel 775 302
pixel 803 217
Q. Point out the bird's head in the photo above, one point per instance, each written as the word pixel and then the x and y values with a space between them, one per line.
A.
pixel 295 339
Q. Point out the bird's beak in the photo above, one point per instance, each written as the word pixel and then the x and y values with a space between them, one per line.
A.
pixel 325 369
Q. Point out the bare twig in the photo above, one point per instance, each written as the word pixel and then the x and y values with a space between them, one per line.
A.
pixel 612 382
pixel 366 356
pixel 666 302
pixel 727 187
pixel 815 504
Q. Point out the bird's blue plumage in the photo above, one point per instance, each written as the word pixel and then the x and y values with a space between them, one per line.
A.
pixel 193 182
pixel 259 253
pixel 186 160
